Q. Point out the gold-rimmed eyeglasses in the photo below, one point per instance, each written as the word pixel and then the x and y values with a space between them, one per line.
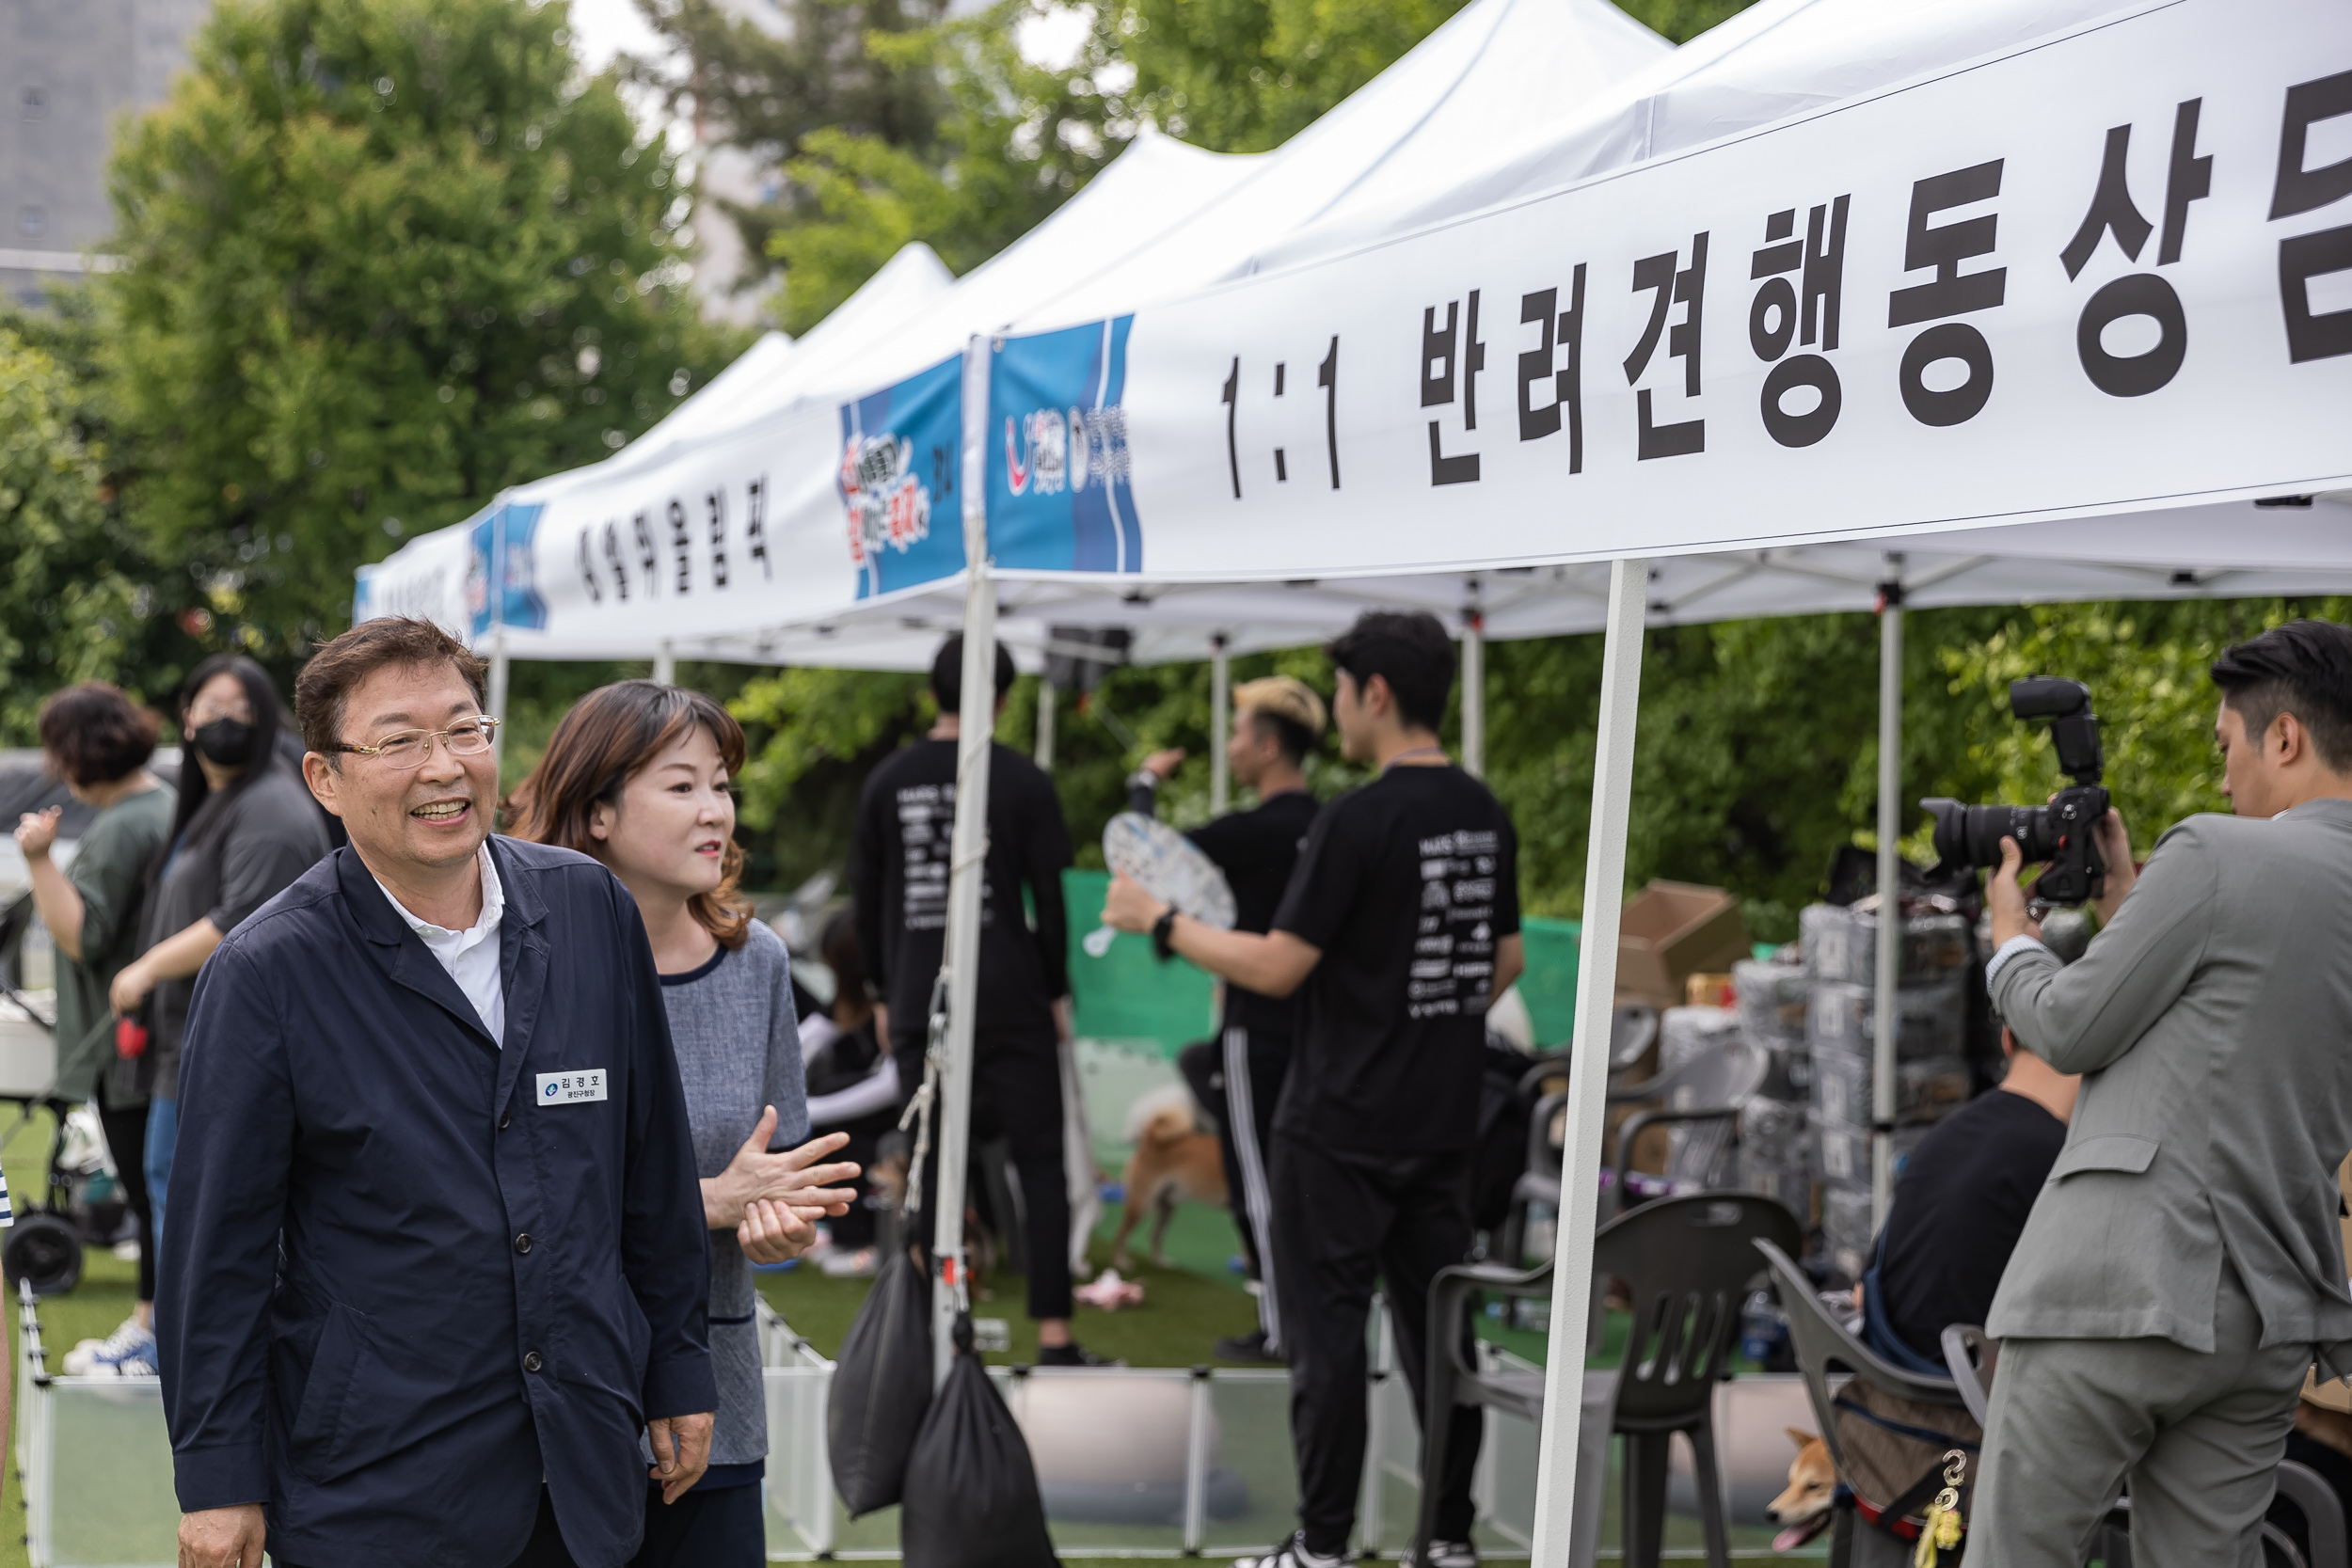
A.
pixel 405 749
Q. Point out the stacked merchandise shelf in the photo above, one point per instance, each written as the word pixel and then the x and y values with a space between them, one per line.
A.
pixel 1932 1070
pixel 1776 1145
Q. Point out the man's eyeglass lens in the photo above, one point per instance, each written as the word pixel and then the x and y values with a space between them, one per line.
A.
pixel 409 748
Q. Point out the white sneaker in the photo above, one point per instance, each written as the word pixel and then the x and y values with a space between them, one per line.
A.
pixel 106 1357
pixel 1444 1553
pixel 1290 1554
pixel 861 1264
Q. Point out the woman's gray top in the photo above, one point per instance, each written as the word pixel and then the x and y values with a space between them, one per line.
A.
pixel 738 1050
pixel 243 849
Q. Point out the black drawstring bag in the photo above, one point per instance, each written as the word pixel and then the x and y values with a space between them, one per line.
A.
pixel 971 1491
pixel 882 1386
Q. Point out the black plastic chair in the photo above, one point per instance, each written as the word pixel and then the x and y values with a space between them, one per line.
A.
pixel 1632 1030
pixel 1703 1096
pixel 1975 1358
pixel 1689 1261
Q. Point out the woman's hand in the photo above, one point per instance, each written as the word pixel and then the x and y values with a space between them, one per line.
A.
pixel 35 830
pixel 131 985
pixel 792 1176
pixel 773 1232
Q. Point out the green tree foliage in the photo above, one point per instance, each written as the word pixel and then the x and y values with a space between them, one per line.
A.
pixel 386 258
pixel 68 611
pixel 765 86
pixel 1756 755
pixel 1247 75
pixel 1013 139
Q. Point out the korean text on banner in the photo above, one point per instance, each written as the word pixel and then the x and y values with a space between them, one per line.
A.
pixel 2109 271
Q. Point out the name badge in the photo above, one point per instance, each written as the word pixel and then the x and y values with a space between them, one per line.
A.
pixel 571 1088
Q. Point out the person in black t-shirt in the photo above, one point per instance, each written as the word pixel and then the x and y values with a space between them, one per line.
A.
pixel 1959 1208
pixel 1239 1075
pixel 1400 924
pixel 899 857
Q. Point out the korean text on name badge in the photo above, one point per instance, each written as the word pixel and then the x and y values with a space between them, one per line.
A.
pixel 571 1088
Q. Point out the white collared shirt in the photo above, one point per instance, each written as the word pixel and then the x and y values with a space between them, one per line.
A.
pixel 472 957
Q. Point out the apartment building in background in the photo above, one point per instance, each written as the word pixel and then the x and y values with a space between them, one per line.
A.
pixel 69 69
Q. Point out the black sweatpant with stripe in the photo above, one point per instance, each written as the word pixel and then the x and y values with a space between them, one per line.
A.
pixel 1238 1077
pixel 1344 1221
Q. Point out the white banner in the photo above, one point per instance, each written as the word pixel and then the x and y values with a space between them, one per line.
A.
pixel 2109 271
pixel 2103 274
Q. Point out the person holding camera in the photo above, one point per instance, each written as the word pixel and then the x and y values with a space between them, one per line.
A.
pixel 2181 1268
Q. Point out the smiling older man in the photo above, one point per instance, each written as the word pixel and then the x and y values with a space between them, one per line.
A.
pixel 442 1255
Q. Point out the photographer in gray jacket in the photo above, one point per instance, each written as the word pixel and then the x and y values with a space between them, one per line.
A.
pixel 2182 1267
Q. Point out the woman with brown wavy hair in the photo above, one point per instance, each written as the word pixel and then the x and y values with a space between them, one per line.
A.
pixel 637 776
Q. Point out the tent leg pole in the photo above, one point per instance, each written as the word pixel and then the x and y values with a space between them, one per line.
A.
pixel 665 666
pixel 1046 696
pixel 1595 1001
pixel 1890 934
pixel 1220 724
pixel 967 867
pixel 498 670
pixel 498 637
pixel 1474 694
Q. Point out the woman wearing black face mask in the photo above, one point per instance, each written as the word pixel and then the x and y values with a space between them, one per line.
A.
pixel 244 828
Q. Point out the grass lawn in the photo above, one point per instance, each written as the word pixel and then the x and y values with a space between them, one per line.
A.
pixel 1186 1307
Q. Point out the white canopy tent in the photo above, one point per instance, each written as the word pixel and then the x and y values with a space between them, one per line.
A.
pixel 2117 463
pixel 1160 219
pixel 2057 397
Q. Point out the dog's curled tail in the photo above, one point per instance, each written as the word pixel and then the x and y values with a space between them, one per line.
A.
pixel 1163 1117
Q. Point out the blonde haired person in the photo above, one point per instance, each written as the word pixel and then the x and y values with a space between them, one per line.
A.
pixel 1238 1077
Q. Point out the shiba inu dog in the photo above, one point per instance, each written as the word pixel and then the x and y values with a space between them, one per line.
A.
pixel 1173 1161
pixel 1803 1511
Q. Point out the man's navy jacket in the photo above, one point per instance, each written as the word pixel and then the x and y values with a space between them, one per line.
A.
pixel 411 1273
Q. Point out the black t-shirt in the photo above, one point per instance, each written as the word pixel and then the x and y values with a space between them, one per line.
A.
pixel 898 860
pixel 1257 849
pixel 1957 1211
pixel 1406 885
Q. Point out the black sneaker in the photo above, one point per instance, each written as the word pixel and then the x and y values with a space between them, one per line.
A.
pixel 1246 1347
pixel 1443 1554
pixel 1073 1354
pixel 1291 1554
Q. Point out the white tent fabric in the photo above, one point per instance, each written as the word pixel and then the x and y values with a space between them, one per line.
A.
pixel 1163 218
pixel 1496 72
pixel 2233 550
pixel 445 575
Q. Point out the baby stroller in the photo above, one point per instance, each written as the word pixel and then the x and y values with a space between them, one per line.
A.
pixel 83 1201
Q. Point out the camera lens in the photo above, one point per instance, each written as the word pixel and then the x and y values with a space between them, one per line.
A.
pixel 1971 835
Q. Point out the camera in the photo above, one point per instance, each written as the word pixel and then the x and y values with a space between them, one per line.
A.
pixel 2061 832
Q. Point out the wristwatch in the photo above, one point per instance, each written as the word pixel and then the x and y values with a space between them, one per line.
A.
pixel 1163 929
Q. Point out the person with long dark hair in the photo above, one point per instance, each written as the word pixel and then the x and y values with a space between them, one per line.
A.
pixel 244 827
pixel 98 742
pixel 854 1087
pixel 637 775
